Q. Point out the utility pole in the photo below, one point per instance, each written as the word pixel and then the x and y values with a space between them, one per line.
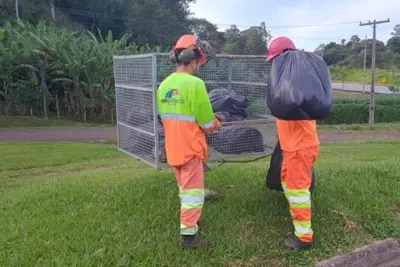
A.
pixel 16 10
pixel 372 93
pixel 365 65
pixel 53 13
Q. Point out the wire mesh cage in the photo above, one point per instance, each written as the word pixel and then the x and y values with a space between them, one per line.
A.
pixel 237 90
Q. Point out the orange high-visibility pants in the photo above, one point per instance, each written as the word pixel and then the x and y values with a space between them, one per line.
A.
pixel 296 179
pixel 190 179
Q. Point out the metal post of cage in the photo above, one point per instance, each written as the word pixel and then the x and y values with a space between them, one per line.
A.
pixel 155 112
pixel 230 74
pixel 116 102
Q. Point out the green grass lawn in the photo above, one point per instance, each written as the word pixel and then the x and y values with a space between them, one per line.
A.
pixel 81 204
pixel 357 76
pixel 361 127
pixel 34 122
pixel 352 95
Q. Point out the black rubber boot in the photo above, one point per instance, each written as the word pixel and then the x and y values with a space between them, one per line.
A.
pixel 193 242
pixel 294 242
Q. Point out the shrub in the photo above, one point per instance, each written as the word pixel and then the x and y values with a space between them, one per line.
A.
pixel 349 111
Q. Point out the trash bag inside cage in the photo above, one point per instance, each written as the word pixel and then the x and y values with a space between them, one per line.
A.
pixel 273 179
pixel 228 117
pixel 229 105
pixel 299 87
pixel 237 140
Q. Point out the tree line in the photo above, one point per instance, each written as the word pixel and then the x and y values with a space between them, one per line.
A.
pixel 161 22
pixel 350 52
pixel 147 22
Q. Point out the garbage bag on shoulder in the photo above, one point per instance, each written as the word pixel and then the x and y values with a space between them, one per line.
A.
pixel 273 179
pixel 299 87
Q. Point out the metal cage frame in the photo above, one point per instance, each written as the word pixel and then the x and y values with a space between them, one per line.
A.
pixel 150 86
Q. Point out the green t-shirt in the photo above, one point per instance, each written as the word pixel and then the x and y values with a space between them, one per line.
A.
pixel 186 95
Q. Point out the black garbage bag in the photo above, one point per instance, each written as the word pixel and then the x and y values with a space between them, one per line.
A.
pixel 228 117
pixel 236 140
pixel 274 173
pixel 299 87
pixel 224 100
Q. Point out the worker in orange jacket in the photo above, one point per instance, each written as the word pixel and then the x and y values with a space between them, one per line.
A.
pixel 300 146
pixel 186 113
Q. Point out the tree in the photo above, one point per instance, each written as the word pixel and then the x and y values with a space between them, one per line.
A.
pixel 252 41
pixel 254 44
pixel 234 41
pixel 208 31
pixel 154 22
pixel 93 15
pixel 393 44
pixel 334 56
pixel 354 39
pixel 158 22
pixel 396 30
pixel 320 50
pixel 256 40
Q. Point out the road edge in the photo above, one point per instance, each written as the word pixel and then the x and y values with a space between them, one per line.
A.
pixel 376 254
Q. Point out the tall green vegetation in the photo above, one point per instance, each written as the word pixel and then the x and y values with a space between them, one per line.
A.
pixel 45 69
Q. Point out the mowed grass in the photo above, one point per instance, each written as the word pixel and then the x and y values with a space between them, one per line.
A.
pixel 351 95
pixel 357 76
pixel 81 204
pixel 361 127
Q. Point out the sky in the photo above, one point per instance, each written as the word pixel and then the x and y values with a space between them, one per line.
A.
pixel 283 15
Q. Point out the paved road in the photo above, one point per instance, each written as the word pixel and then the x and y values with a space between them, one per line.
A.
pixel 379 89
pixel 63 134
pixel 93 134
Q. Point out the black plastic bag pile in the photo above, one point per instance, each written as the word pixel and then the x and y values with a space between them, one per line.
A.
pixel 236 139
pixel 228 105
pixel 299 87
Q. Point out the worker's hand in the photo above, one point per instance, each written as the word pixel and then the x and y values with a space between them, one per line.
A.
pixel 218 117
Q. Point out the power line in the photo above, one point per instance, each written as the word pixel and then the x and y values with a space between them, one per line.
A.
pixel 294 26
pixel 73 11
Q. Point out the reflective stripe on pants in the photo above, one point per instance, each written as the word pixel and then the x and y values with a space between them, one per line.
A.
pixel 296 179
pixel 190 178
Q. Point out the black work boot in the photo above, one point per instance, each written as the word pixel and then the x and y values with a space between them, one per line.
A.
pixel 193 242
pixel 294 242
